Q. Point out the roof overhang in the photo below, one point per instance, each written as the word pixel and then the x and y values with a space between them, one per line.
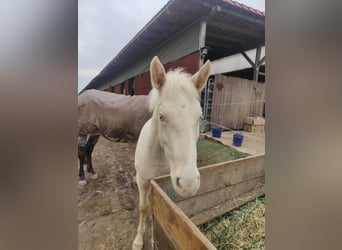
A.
pixel 231 28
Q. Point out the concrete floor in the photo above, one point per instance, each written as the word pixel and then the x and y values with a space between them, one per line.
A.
pixel 253 143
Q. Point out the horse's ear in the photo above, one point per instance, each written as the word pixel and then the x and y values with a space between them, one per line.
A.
pixel 200 78
pixel 157 72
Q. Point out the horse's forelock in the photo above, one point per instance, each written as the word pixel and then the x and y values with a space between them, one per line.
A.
pixel 180 82
pixel 177 81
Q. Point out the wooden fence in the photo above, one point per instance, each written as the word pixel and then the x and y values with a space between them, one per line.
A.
pixel 234 99
pixel 224 186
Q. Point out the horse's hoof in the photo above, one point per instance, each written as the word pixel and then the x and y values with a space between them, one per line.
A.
pixel 93 176
pixel 137 246
pixel 82 183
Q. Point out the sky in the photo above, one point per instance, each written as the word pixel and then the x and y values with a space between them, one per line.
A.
pixel 105 27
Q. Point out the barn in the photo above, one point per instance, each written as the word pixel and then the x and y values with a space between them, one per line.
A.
pixel 186 33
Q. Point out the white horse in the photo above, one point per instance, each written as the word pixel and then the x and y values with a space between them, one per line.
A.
pixel 167 142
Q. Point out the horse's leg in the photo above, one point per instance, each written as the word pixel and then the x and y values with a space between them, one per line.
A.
pixel 144 190
pixel 81 156
pixel 89 150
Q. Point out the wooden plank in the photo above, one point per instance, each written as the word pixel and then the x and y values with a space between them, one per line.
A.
pixel 223 208
pixel 220 175
pixel 258 99
pixel 197 204
pixel 160 240
pixel 176 225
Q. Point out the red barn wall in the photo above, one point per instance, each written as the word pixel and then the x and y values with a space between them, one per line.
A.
pixel 190 63
pixel 117 89
pixel 143 82
pixel 126 87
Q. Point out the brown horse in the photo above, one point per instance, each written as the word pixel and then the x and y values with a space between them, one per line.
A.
pixel 115 117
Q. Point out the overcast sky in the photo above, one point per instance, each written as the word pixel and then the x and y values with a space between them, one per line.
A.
pixel 106 26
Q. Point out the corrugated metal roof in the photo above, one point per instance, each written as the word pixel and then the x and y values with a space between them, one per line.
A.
pixel 231 28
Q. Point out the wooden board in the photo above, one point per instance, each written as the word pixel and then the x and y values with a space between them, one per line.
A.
pixel 225 207
pixel 176 225
pixel 221 175
pixel 224 186
pixel 160 240
pixel 234 99
pixel 195 205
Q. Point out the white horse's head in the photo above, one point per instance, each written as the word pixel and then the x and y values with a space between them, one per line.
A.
pixel 177 112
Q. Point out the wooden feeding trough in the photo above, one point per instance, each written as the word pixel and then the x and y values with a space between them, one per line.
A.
pixel 224 186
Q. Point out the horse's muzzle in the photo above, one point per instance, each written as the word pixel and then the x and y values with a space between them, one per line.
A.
pixel 187 186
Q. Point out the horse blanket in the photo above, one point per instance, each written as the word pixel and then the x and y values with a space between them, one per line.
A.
pixel 113 116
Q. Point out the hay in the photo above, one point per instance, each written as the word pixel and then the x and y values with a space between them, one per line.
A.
pixel 242 228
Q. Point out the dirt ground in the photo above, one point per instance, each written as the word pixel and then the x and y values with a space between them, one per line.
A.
pixel 108 206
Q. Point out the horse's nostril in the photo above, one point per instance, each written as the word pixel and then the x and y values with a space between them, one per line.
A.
pixel 177 182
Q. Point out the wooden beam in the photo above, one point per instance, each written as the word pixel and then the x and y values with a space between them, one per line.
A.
pixel 247 58
pixel 201 42
pixel 202 34
pixel 176 225
pixel 256 66
pixel 262 60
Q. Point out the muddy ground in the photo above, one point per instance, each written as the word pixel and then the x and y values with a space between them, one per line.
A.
pixel 108 206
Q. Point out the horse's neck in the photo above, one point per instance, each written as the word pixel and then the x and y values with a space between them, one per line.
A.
pixel 150 159
pixel 156 149
pixel 153 134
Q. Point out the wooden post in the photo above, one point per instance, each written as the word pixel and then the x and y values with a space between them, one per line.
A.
pixel 256 64
pixel 202 34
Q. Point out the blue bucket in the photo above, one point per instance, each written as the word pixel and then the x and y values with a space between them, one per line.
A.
pixel 237 139
pixel 217 132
